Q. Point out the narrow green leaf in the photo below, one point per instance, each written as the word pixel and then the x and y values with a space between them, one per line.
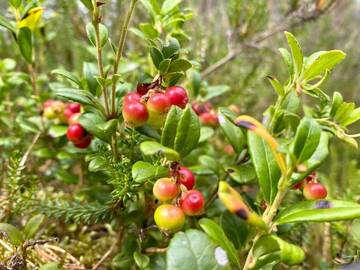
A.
pixel 187 132
pixel 15 3
pixel 25 43
pixel 33 226
pixel 276 85
pixel 155 148
pixel 307 139
pixel 87 4
pixel 194 249
pixel 287 59
pixel 156 56
pixel 205 134
pixel 233 133
pixel 319 62
pixel 66 74
pixel 217 234
pixel 215 91
pixel 169 131
pixel 266 167
pixel 143 171
pixel 12 233
pixel 337 100
pixel 169 5
pixel 319 211
pixel 9 25
pixel 297 55
pixel 148 30
pixel 90 71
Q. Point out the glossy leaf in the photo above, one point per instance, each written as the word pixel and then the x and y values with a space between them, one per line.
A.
pixel 56 131
pixel 319 62
pixel 172 47
pixel 141 260
pixel 155 148
pixel 266 167
pixel 143 171
pixel 187 132
pixel 164 66
pixel 179 65
pixel 193 249
pixel 97 126
pixel 287 59
pixel 276 85
pixel 307 139
pixel 14 235
pixel 33 226
pixel 169 5
pixel 297 55
pixel 25 43
pixel 90 71
pixel 233 133
pixel 242 174
pixel 278 250
pixel 235 228
pixel 319 211
pixel 169 131
pixel 315 160
pixel 217 234
pixel 156 56
pixel 66 74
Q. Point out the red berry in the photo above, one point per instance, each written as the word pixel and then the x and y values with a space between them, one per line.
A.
pixel 84 143
pixel 165 189
pixel 209 119
pixel 177 96
pixel 68 113
pixel 48 103
pixel 158 103
pixel 314 191
pixel 76 133
pixel 169 217
pixel 142 88
pixel 135 114
pixel 198 108
pixel 131 97
pixel 186 177
pixel 74 107
pixel 192 203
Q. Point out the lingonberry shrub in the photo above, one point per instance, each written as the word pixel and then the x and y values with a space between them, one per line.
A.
pixel 143 125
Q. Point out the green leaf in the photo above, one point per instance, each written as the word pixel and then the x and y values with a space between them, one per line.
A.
pixel 91 33
pixel 287 59
pixel 169 5
pixel 193 250
pixel 148 131
pixel 319 211
pixel 276 85
pixel 235 228
pixel 195 82
pixel 87 4
pixel 319 62
pixel 344 111
pixel 315 160
pixel 242 174
pixel 103 34
pixel 297 55
pixel 216 233
pixel 66 74
pixel 307 139
pixel 205 134
pixel 155 148
pixel 56 131
pixel 15 3
pixel 172 47
pixel 266 167
pixel 97 126
pixel 25 43
pixel 9 25
pixel 90 71
pixel 337 101
pixel 352 118
pixel 164 66
pixel 278 250
pixel 156 56
pixel 179 65
pixel 149 30
pixel 50 266
pixel 12 233
pixel 141 260
pixel 187 132
pixel 233 133
pixel 169 131
pixel 215 91
pixel 33 226
pixel 143 171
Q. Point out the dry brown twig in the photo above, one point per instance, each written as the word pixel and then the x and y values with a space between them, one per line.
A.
pixel 300 16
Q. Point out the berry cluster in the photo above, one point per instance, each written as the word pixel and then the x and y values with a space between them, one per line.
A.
pixel 206 113
pixel 68 113
pixel 179 198
pixel 312 189
pixel 150 104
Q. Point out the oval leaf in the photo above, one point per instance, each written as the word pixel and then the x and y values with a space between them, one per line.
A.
pixel 33 225
pixel 319 211
pixel 155 148
pixel 171 123
pixel 297 55
pixel 12 233
pixel 25 43
pixel 143 171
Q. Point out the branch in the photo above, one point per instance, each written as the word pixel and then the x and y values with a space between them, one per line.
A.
pixel 296 18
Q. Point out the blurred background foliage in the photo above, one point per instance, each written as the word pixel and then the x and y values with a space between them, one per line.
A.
pixel 217 30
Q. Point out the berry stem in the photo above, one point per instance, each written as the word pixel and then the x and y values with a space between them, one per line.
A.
pixel 96 20
pixel 120 52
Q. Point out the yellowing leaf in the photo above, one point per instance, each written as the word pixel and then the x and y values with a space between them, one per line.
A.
pixel 31 18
